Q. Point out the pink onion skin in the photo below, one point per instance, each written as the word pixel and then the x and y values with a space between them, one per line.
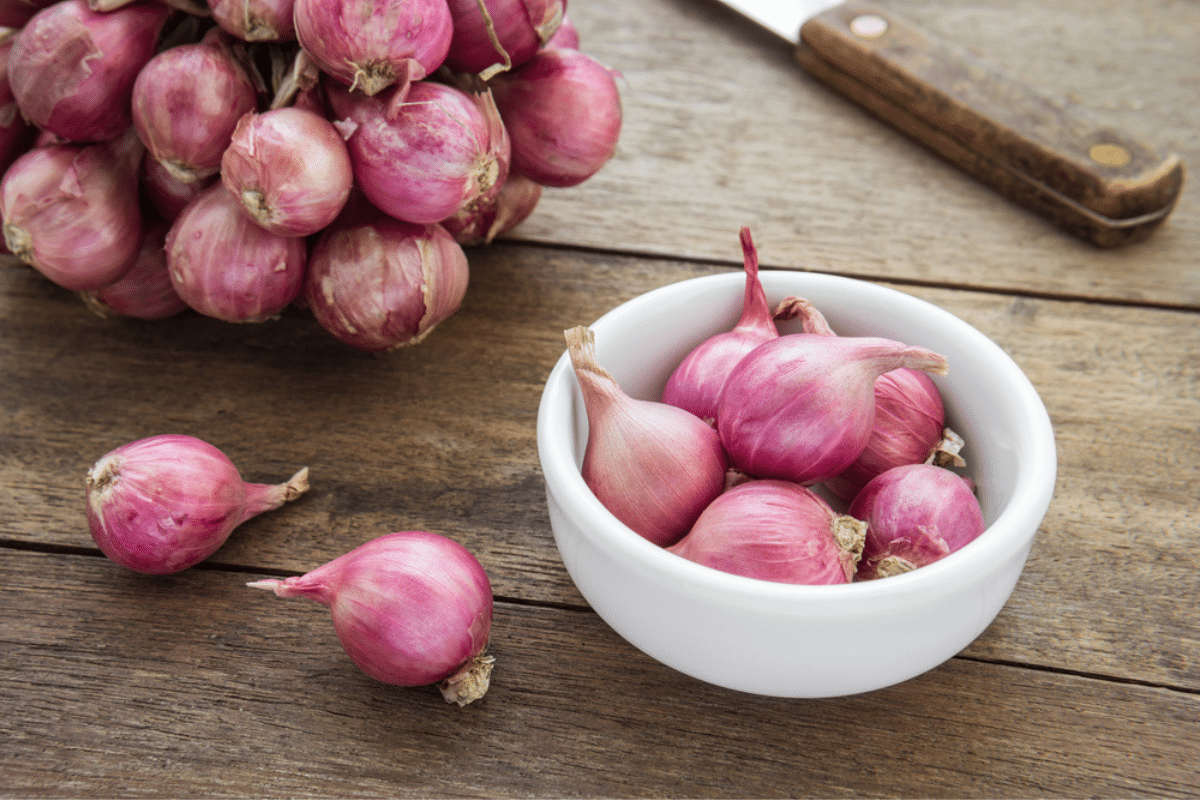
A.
pixel 566 36
pixel 916 514
pixel 167 193
pixel 482 222
pixel 909 423
pixel 410 608
pixel 378 284
pixel 370 45
pixel 186 103
pixel 145 291
pixel 696 383
pixel 775 531
pixel 72 69
pixel 165 503
pixel 654 466
pixel 255 20
pixel 800 407
pixel 72 211
pixel 520 26
pixel 427 156
pixel 225 266
pixel 562 110
pixel 290 169
pixel 16 135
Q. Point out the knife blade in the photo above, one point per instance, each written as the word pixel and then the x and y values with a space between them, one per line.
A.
pixel 1053 157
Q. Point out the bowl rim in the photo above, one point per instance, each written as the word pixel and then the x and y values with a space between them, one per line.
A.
pixel 1010 533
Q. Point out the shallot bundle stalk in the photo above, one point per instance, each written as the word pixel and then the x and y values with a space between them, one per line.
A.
pixel 255 20
pixel 654 466
pixel 490 35
pixel 72 211
pixel 145 291
pixel 290 170
pixel 224 265
pixel 377 283
pixel 916 514
pixel 562 110
pixel 801 407
pixel 696 383
pixel 186 103
pixel 775 531
pixel 370 45
pixel 410 608
pixel 72 69
pixel 165 503
pixel 428 154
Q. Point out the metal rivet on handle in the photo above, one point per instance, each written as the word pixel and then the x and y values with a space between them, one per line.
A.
pixel 1110 155
pixel 868 26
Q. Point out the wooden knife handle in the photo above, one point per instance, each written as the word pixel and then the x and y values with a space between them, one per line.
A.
pixel 1043 153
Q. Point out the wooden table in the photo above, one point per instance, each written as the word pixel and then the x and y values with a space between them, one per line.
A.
pixel 1088 683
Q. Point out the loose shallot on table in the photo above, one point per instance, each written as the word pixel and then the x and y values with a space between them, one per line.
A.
pixel 410 608
pixel 165 503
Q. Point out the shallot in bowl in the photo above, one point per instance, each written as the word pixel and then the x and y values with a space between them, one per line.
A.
pixel 781 639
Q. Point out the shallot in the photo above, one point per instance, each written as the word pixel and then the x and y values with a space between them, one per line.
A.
pixel 72 69
pixel 370 45
pixel 801 407
pixel 909 425
pixel 696 383
pixel 425 155
pixel 775 531
pixel 226 266
pixel 16 135
pixel 909 428
pixel 145 291
pixel 255 20
pixel 916 514
pixel 166 192
pixel 377 283
pixel 481 222
pixel 71 211
pixel 187 101
pixel 567 35
pixel 290 170
pixel 562 110
pixel 410 608
pixel 500 33
pixel 165 503
pixel 654 466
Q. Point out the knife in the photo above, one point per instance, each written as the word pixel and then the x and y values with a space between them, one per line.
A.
pixel 1055 158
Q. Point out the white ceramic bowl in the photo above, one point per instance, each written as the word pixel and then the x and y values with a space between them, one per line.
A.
pixel 801 641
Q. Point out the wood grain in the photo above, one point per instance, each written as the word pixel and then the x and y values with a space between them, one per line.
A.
pixel 114 686
pixel 1088 682
pixel 722 128
pixel 442 437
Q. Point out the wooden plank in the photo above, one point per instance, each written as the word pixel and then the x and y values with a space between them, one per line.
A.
pixel 722 128
pixel 114 685
pixel 442 437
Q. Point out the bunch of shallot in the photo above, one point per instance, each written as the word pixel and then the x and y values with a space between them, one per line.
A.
pixel 410 608
pixel 272 135
pixel 759 435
